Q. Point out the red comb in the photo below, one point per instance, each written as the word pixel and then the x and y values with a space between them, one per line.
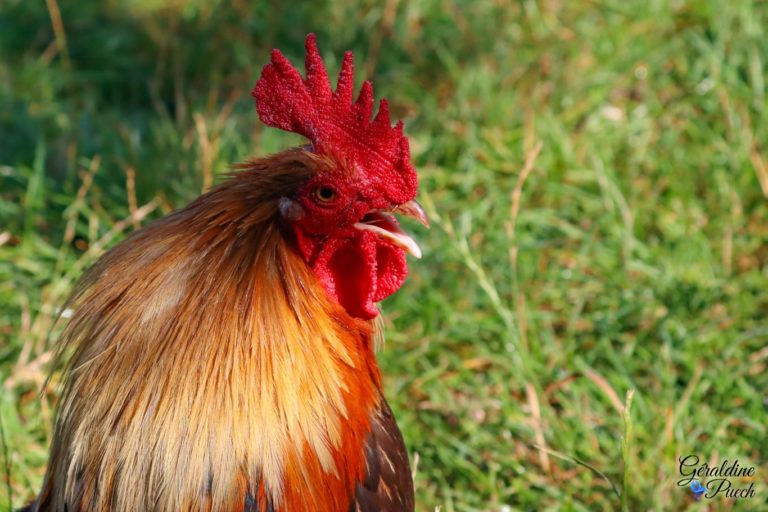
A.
pixel 335 124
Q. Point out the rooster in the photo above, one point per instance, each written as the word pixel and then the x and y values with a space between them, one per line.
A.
pixel 222 358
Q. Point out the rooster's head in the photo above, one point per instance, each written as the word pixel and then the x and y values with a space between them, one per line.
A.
pixel 342 214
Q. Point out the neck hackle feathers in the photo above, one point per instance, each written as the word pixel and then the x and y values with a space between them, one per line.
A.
pixel 335 125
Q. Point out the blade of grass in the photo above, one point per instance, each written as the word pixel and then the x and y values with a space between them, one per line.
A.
pixel 576 460
pixel 626 449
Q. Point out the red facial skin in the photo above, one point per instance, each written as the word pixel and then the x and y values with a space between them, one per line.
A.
pixel 356 267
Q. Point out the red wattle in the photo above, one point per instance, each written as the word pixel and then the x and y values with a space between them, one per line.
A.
pixel 358 272
pixel 391 270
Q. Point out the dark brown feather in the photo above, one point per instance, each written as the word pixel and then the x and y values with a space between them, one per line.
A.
pixel 388 485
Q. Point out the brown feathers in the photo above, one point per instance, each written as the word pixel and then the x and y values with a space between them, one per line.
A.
pixel 207 368
pixel 387 485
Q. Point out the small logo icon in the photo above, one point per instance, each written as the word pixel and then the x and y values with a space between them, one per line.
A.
pixel 697 489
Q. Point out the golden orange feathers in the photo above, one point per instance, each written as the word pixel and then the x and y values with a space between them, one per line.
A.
pixel 207 368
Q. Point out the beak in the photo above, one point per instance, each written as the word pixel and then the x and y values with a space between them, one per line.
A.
pixel 413 209
pixel 385 226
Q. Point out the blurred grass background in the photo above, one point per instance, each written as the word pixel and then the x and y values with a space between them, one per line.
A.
pixel 596 172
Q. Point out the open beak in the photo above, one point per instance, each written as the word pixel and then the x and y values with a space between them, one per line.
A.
pixel 385 225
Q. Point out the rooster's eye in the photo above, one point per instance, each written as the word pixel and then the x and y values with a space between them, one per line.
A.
pixel 325 194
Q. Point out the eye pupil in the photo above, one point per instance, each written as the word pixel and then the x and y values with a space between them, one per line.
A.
pixel 325 194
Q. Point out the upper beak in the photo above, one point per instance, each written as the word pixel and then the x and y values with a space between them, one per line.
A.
pixel 385 226
pixel 413 209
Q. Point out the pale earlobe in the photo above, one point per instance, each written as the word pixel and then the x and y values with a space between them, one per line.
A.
pixel 290 210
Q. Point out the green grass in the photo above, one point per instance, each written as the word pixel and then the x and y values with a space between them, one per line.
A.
pixel 630 253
